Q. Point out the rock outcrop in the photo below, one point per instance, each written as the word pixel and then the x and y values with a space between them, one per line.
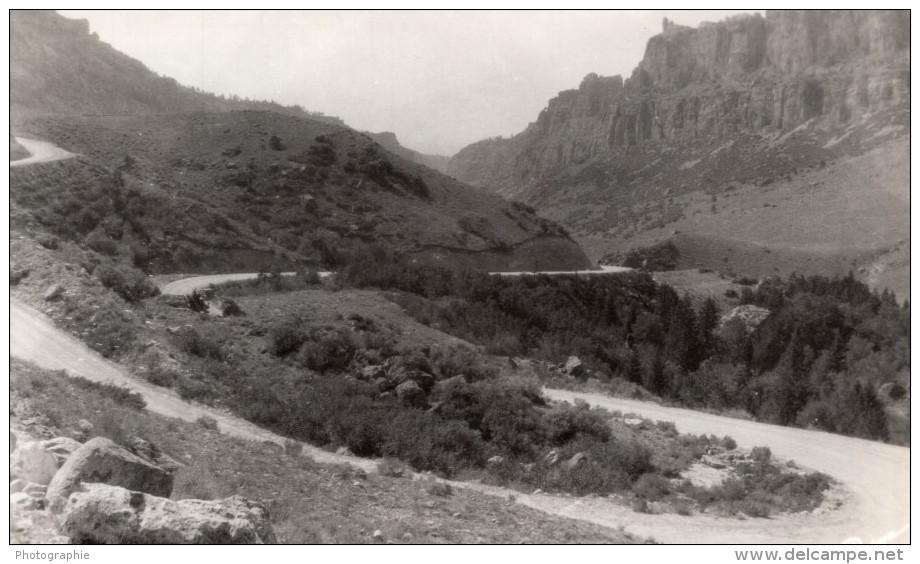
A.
pixel 102 461
pixel 742 75
pixel 103 514
pixel 32 463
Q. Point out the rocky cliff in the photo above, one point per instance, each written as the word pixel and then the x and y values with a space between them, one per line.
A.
pixel 747 74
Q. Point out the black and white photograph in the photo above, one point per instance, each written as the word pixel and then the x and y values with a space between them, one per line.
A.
pixel 460 277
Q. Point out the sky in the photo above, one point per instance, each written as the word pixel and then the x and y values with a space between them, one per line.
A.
pixel 440 80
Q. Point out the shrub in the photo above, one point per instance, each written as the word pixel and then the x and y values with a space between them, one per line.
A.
pixel 190 341
pixel 101 244
pixel 191 389
pixel 651 487
pixel 129 283
pixel 327 348
pixel 121 396
pixel 292 447
pixel 159 376
pixel 729 443
pixel 229 308
pixel 207 422
pixel 286 338
pixel 440 489
pixel 566 425
pixel 391 467
pixel 275 144
pixel 761 454
pixel 196 302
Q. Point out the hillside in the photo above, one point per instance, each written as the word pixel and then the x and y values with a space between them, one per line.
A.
pixel 174 179
pixel 57 66
pixel 732 110
pixel 247 190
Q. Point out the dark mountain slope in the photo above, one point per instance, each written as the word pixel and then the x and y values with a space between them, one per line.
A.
pixel 183 180
pixel 208 191
pixel 58 67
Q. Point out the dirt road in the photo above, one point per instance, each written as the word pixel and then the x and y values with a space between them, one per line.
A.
pixel 876 477
pixel 41 152
pixel 186 285
pixel 604 269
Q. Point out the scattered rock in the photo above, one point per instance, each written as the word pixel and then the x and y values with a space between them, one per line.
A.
pixel 633 422
pixel 32 463
pixel 372 373
pixel 552 457
pixel 378 535
pixel 537 491
pixel 102 514
pixel 343 451
pixel 496 460
pixel 84 429
pixel 101 460
pixel 22 500
pixel 749 315
pixel 384 385
pixel 61 448
pixel 411 394
pixel 712 462
pixel 573 366
pixel 577 460
pixel 53 292
pixel 35 490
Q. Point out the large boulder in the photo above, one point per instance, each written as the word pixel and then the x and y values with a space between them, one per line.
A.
pixel 574 367
pixel 411 394
pixel 101 460
pixel 102 514
pixel 424 380
pixel 33 463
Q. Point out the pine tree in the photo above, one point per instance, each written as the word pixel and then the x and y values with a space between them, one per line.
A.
pixel 709 320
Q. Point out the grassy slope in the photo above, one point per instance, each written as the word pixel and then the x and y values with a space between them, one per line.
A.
pixel 851 215
pixel 227 162
pixel 308 502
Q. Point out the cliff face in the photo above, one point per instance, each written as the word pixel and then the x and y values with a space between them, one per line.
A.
pixel 747 74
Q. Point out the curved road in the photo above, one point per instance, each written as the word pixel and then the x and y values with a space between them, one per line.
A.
pixel 875 477
pixel 41 152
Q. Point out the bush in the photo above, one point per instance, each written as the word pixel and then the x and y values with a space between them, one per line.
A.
pixel 651 487
pixel 121 396
pixel 440 489
pixel 566 425
pixel 292 447
pixel 101 244
pixel 391 467
pixel 159 376
pixel 190 341
pixel 207 422
pixel 129 283
pixel 327 348
pixel 761 454
pixel 286 338
pixel 229 308
pixel 196 302
pixel 729 443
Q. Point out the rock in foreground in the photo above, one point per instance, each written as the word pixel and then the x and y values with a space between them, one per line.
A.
pixel 101 460
pixel 113 515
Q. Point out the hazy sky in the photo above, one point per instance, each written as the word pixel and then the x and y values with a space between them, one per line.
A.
pixel 439 80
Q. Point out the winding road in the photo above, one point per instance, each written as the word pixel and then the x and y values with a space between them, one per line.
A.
pixel 874 477
pixel 40 152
